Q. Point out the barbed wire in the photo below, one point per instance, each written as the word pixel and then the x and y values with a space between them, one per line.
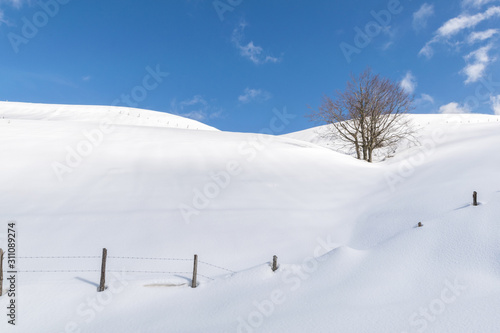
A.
pixel 149 258
pixel 60 271
pixel 225 269
pixel 109 257
pixel 74 257
pixel 117 271
pixel 107 271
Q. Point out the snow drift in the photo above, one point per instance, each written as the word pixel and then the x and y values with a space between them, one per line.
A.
pixel 351 257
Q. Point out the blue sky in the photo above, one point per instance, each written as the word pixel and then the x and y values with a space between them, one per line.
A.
pixel 229 63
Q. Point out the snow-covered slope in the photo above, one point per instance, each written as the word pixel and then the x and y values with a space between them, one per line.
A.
pixel 320 135
pixel 96 114
pixel 351 258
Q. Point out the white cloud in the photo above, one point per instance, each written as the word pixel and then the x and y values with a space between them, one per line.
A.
pixel 476 3
pixel 250 95
pixel 14 3
pixel 427 50
pixel 424 98
pixel 409 82
pixel 387 45
pixel 250 51
pixel 201 115
pixel 197 99
pixel 421 16
pixel 480 60
pixel 464 21
pixel 196 108
pixel 482 35
pixel 495 104
pixel 195 115
pixel 457 24
pixel 453 108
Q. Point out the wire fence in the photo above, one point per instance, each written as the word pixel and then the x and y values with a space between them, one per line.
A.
pixel 117 264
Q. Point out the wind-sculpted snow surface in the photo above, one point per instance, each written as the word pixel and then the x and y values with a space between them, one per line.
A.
pixel 351 258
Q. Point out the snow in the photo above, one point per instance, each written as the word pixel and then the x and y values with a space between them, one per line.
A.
pixel 96 114
pixel 351 258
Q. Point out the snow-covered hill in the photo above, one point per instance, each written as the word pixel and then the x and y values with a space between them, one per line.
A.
pixel 351 258
pixel 96 114
pixel 321 135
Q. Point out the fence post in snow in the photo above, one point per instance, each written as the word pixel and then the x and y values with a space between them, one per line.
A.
pixel 1 271
pixel 474 198
pixel 195 271
pixel 275 263
pixel 102 285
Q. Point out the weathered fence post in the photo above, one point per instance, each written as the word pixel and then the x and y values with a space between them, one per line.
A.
pixel 102 285
pixel 1 272
pixel 195 271
pixel 275 263
pixel 474 198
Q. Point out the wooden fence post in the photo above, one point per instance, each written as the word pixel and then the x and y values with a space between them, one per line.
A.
pixel 102 285
pixel 275 263
pixel 195 271
pixel 1 272
pixel 474 198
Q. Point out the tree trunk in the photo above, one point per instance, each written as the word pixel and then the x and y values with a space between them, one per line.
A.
pixel 358 153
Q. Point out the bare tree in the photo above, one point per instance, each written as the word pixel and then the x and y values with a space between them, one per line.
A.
pixel 370 114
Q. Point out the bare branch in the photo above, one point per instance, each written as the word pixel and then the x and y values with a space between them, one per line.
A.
pixel 369 114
